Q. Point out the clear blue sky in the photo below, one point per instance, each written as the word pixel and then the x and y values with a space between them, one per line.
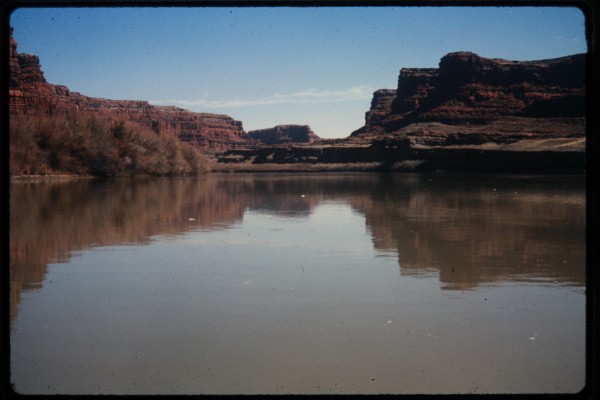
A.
pixel 270 66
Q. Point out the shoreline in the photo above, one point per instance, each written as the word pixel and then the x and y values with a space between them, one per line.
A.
pixel 49 178
pixel 283 168
pixel 297 167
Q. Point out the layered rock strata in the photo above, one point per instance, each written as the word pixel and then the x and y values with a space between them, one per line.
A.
pixel 381 106
pixel 470 114
pixel 284 134
pixel 469 90
pixel 29 93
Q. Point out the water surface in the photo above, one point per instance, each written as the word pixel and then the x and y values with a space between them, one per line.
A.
pixel 299 283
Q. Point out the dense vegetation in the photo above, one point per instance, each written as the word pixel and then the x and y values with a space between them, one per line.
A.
pixel 91 145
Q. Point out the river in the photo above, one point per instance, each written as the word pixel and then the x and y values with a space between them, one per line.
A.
pixel 349 283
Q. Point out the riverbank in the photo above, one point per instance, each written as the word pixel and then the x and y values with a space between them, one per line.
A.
pixel 298 167
pixel 549 156
pixel 48 178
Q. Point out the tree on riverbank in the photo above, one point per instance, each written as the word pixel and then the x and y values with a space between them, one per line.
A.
pixel 89 145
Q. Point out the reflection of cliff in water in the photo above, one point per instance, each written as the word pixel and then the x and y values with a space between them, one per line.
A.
pixel 458 227
pixel 472 230
pixel 48 221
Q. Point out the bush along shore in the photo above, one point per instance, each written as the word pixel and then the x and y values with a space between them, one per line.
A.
pixel 88 145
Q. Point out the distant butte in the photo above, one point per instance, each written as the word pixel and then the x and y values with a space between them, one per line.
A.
pixel 281 134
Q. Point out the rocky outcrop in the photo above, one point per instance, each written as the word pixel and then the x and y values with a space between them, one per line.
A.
pixel 381 106
pixel 281 134
pixel 469 90
pixel 29 93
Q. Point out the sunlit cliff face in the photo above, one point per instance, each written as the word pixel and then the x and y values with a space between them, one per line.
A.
pixel 31 94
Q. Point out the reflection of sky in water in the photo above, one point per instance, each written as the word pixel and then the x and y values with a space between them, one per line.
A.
pixel 330 228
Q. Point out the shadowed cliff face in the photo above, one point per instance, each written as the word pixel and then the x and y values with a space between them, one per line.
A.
pixel 467 231
pixel 29 93
pixel 381 106
pixel 469 90
pixel 284 134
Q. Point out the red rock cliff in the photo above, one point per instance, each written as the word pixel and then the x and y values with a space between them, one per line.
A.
pixel 468 90
pixel 381 106
pixel 29 93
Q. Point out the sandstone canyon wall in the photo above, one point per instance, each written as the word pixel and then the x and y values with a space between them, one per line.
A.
pixel 472 114
pixel 29 93
pixel 472 100
pixel 469 113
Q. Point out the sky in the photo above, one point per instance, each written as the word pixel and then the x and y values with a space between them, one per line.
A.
pixel 267 66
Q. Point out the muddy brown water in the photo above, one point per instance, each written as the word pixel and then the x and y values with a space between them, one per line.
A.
pixel 350 283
